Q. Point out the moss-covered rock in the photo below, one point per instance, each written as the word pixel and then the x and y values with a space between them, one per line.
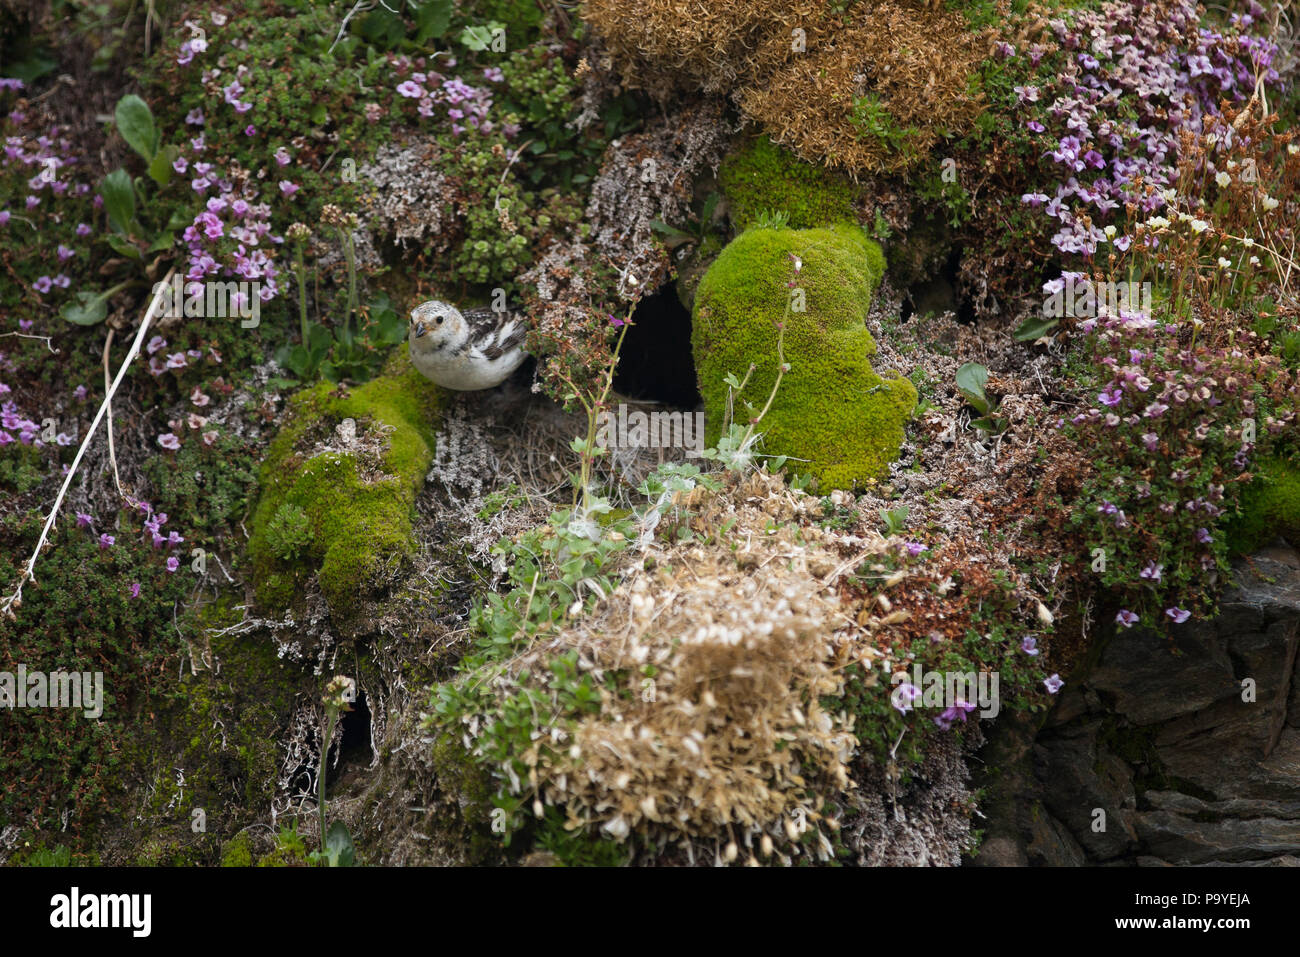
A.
pixel 832 411
pixel 764 178
pixel 355 485
pixel 1270 506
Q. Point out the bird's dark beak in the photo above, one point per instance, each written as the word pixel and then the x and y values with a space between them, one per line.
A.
pixel 419 329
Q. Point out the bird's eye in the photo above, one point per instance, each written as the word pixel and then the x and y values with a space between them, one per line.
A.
pixel 440 320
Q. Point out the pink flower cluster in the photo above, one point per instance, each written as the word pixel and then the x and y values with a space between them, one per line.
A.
pixel 231 236
pixel 1153 59
pixel 464 105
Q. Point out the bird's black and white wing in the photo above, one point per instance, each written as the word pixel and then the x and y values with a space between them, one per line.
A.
pixel 493 334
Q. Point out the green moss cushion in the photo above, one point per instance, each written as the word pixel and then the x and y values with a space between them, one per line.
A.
pixel 832 410
pixel 765 178
pixel 358 504
pixel 1270 506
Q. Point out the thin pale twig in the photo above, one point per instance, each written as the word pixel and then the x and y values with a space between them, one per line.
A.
pixel 15 600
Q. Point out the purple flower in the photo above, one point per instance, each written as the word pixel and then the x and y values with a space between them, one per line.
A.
pixel 135 589
pixel 172 563
pixel 83 230
pixel 1030 645
pixel 959 710
pixel 43 284
pixel 106 541
pixel 1179 615
pixel 411 90
pixel 169 441
pixel 156 343
pixel 1203 536
pixel 1126 618
pixel 913 548
pixel 84 520
pixel 1151 441
pixel 904 695
pixel 1053 684
pixel 288 188
pixel 194 117
pixel 282 156
pixel 1151 571
pixel 1111 397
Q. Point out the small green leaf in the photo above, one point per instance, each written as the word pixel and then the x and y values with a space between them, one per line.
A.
pixel 123 246
pixel 319 338
pixel 971 379
pixel 477 37
pixel 1034 328
pixel 89 309
pixel 135 122
pixel 160 170
pixel 338 845
pixel 432 20
pixel 119 199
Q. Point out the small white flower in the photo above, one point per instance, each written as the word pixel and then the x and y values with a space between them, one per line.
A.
pixel 1169 195
pixel 1248 242
pixel 1223 179
pixel 1224 263
pixel 1254 260
pixel 1269 203
pixel 1292 148
pixel 1199 225
pixel 1110 232
pixel 1157 222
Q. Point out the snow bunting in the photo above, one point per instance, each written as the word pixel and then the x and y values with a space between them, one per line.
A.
pixel 474 349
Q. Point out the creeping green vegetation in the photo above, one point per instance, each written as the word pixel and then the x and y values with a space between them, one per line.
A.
pixel 1270 506
pixel 236 852
pixel 764 178
pixel 355 489
pixel 832 412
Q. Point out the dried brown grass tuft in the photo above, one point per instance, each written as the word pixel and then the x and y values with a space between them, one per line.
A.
pixel 916 58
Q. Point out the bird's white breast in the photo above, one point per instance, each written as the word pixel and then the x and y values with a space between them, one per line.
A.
pixel 465 373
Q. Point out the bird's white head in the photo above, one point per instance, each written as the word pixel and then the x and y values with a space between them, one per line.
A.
pixel 437 326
